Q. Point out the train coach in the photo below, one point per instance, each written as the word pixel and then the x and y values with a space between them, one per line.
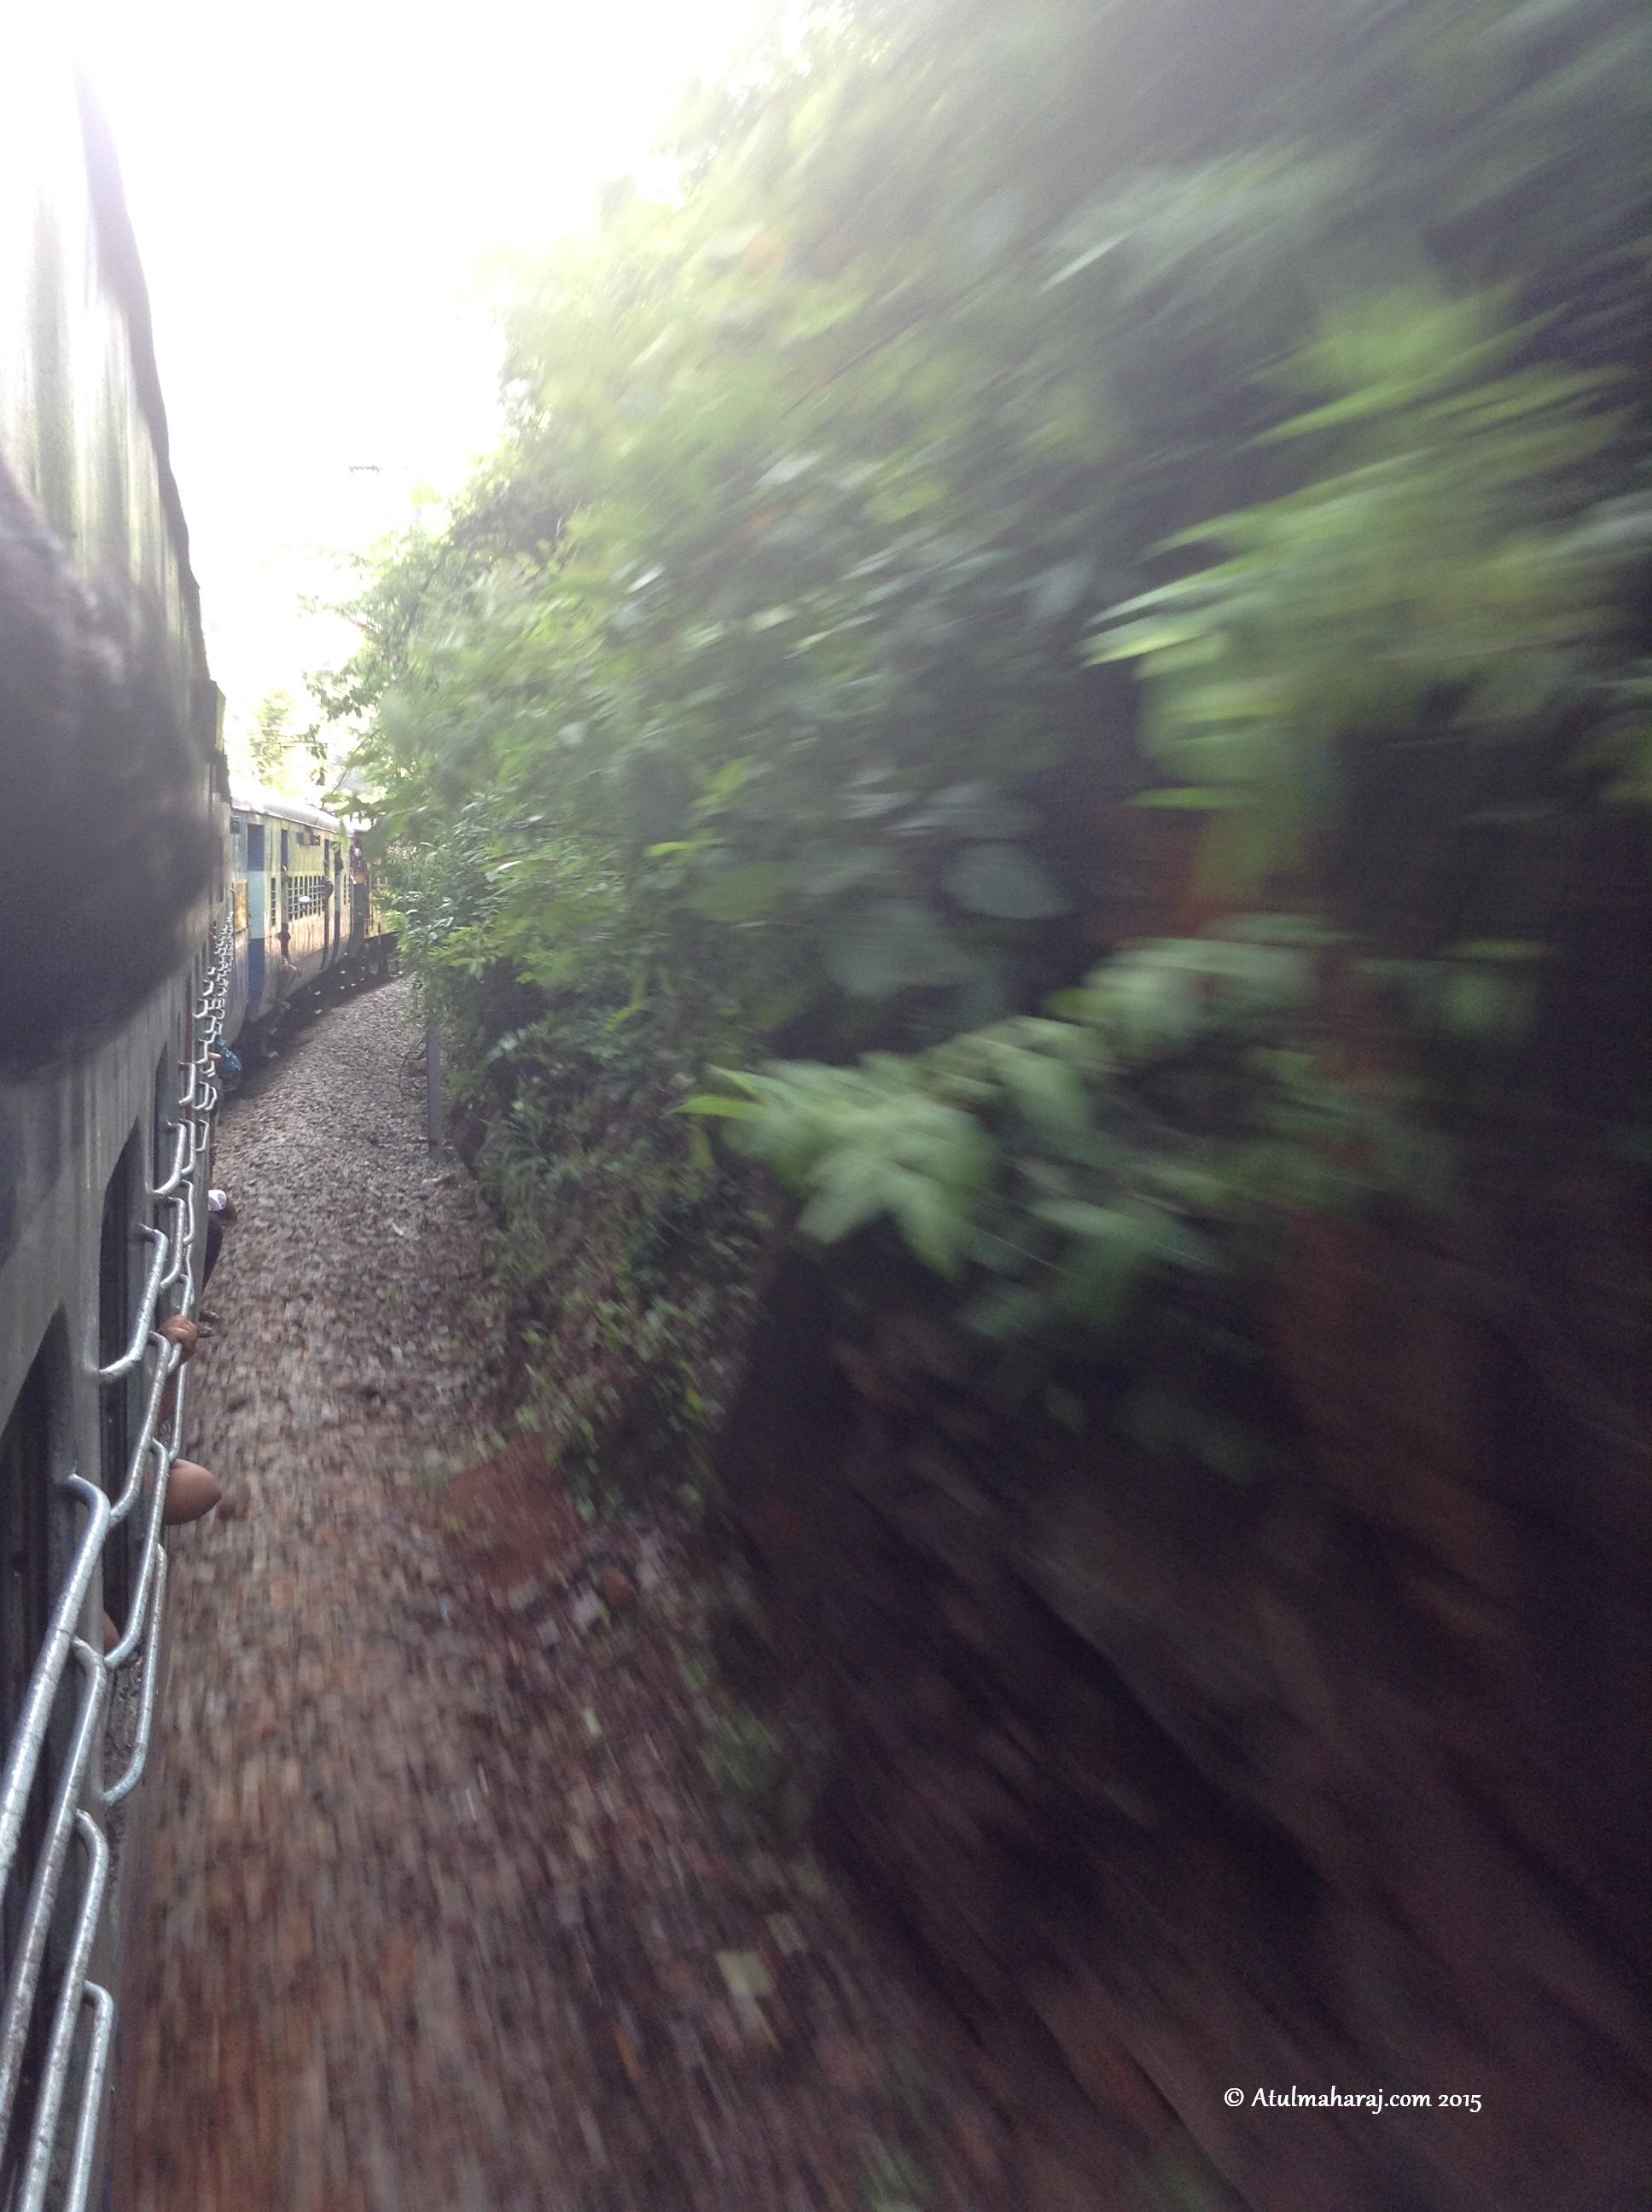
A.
pixel 116 950
pixel 306 913
pixel 147 920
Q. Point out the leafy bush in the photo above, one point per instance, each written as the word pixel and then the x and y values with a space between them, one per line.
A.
pixel 1019 414
pixel 1085 1182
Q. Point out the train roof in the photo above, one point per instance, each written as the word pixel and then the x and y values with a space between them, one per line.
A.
pixel 252 798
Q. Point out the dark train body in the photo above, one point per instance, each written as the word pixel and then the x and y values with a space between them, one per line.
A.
pixel 141 919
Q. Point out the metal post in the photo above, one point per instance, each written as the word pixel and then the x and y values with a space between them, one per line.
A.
pixel 433 1090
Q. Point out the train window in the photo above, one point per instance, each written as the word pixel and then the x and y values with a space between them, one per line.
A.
pixel 29 1447
pixel 121 1276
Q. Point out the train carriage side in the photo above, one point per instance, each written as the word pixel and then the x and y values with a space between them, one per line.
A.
pixel 305 906
pixel 110 1001
pixel 287 871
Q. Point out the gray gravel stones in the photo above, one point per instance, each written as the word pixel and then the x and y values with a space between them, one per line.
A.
pixel 437 1896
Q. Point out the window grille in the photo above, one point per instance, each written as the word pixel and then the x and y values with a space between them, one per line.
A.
pixel 56 2025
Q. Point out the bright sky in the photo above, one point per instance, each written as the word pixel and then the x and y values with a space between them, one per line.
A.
pixel 313 189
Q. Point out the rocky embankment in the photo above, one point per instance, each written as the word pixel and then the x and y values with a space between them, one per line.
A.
pixel 1184 1790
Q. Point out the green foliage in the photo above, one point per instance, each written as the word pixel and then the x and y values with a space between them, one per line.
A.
pixel 1437 556
pixel 272 739
pixel 283 758
pixel 767 1778
pixel 1070 1173
pixel 621 1247
pixel 1017 413
pixel 1107 1191
pixel 763 618
pixel 895 2181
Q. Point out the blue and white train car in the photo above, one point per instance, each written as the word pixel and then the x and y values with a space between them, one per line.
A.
pixel 305 908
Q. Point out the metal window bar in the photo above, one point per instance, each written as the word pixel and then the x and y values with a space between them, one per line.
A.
pixel 97 2068
pixel 165 1451
pixel 54 2075
pixel 129 1496
pixel 179 1161
pixel 43 1890
pixel 146 1305
pixel 116 1793
pixel 183 1235
pixel 171 1269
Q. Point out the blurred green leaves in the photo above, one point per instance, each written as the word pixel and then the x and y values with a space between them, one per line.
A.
pixel 1015 414
pixel 1071 1175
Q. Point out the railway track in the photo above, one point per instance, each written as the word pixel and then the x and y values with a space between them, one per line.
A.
pixel 443 1913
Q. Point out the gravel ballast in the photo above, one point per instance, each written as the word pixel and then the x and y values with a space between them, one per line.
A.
pixel 445 1917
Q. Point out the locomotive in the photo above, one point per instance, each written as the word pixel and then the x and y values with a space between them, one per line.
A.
pixel 145 921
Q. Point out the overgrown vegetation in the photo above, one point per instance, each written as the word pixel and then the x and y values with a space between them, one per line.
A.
pixel 1056 476
pixel 282 759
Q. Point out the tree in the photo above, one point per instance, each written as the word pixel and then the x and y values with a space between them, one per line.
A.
pixel 1020 414
pixel 273 738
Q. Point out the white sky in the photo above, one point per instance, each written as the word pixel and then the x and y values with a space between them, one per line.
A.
pixel 314 190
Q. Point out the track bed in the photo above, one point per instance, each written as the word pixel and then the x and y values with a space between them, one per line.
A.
pixel 445 1917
